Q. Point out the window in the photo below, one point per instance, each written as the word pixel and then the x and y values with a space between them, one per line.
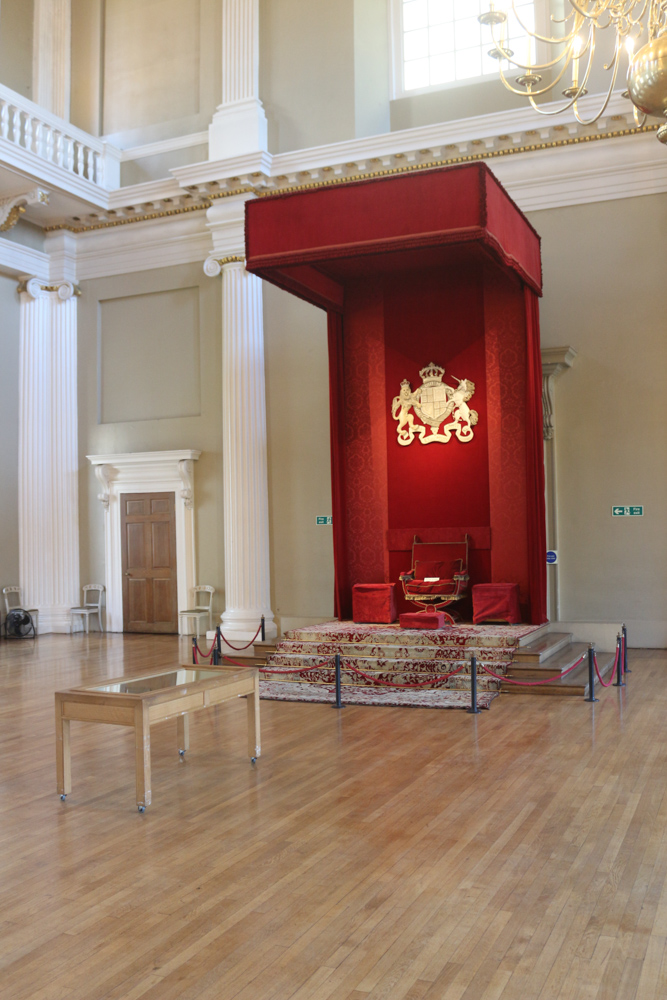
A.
pixel 442 42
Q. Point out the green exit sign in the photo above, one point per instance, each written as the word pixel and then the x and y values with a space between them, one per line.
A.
pixel 627 511
pixel 324 519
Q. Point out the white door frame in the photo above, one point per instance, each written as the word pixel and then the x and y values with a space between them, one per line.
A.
pixel 146 472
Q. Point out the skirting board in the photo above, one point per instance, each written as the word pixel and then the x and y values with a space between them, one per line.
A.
pixel 641 634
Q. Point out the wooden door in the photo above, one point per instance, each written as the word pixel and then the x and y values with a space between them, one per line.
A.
pixel 148 535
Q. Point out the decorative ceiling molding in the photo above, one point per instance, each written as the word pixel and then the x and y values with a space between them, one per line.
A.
pixel 11 209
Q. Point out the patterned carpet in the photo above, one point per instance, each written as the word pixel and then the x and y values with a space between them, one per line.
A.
pixel 356 695
pixel 380 654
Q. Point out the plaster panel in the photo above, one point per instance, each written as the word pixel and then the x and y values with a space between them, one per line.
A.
pixel 149 356
pixel 151 62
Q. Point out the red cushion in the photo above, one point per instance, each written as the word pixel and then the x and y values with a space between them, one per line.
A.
pixel 374 603
pixel 428 619
pixel 443 570
pixel 422 587
pixel 496 602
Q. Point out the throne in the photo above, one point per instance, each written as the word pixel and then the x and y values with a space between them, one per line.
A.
pixel 439 575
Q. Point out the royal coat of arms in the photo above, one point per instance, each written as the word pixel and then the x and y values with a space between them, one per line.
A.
pixel 442 409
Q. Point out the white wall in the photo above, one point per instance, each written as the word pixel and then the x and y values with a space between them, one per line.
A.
pixel 151 371
pixel 605 295
pixel 297 396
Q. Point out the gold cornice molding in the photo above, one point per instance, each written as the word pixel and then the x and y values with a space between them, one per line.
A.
pixel 487 154
pixel 112 223
pixel 452 161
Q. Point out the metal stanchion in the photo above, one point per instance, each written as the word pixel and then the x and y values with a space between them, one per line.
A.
pixel 218 642
pixel 624 631
pixel 339 703
pixel 473 710
pixel 194 649
pixel 263 624
pixel 215 659
pixel 619 682
pixel 591 673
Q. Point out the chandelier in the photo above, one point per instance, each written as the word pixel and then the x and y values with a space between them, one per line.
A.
pixel 569 43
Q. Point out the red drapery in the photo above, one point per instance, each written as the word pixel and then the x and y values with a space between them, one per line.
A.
pixel 342 590
pixel 536 526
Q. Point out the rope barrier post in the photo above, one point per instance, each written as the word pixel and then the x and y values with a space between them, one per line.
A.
pixel 473 710
pixel 263 623
pixel 619 682
pixel 194 649
pixel 624 630
pixel 591 673
pixel 339 703
pixel 218 642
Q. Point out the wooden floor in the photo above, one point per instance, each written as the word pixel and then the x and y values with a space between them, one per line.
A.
pixel 402 854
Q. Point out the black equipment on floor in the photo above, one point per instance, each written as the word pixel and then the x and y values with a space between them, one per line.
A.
pixel 19 625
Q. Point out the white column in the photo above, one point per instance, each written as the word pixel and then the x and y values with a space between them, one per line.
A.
pixel 239 124
pixel 554 361
pixel 244 460
pixel 51 59
pixel 48 453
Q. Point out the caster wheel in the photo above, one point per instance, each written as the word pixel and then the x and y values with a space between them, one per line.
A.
pixel 181 753
pixel 63 797
pixel 141 808
pixel 253 760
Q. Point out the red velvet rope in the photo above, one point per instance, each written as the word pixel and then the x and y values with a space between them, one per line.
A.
pixel 545 680
pixel 281 670
pixel 355 670
pixel 247 645
pixel 608 683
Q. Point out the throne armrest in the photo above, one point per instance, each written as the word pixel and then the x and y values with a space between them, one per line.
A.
pixel 408 575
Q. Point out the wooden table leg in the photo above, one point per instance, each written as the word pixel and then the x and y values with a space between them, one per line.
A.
pixel 63 754
pixel 254 738
pixel 183 733
pixel 142 745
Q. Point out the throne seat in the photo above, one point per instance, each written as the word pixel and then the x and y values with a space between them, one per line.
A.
pixel 439 575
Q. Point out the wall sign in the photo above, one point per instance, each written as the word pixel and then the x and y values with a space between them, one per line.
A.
pixel 323 519
pixel 552 557
pixel 627 511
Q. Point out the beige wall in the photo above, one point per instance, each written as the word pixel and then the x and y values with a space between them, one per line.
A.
pixel 9 433
pixel 16 45
pixel 87 55
pixel 131 313
pixel 145 70
pixel 297 395
pixel 127 297
pixel 605 295
pixel 307 72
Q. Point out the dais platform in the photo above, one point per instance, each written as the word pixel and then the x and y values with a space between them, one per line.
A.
pixel 401 656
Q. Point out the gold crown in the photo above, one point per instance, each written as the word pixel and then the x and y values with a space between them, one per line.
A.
pixel 432 374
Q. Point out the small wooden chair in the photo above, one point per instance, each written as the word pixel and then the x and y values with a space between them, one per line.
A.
pixel 203 609
pixel 90 607
pixel 12 602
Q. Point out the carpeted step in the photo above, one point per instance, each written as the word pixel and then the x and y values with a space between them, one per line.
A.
pixel 386 672
pixel 292 651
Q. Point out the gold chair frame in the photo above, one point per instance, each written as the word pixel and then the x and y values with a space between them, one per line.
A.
pixel 456 587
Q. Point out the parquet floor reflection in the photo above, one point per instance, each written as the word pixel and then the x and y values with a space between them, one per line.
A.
pixel 372 854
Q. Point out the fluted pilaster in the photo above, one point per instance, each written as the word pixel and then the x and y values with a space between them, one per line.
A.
pixel 244 460
pixel 48 453
pixel 239 124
